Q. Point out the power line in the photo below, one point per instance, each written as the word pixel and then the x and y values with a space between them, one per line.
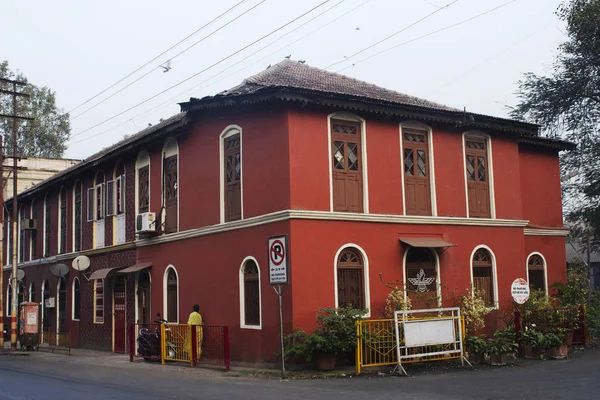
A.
pixel 203 70
pixel 168 101
pixel 160 55
pixel 428 34
pixel 393 34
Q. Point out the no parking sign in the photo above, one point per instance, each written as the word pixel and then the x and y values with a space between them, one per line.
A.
pixel 278 260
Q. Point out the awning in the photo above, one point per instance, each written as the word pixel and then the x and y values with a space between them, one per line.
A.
pixel 135 268
pixel 102 273
pixel 426 242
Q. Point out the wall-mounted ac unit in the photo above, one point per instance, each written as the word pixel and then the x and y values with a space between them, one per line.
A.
pixel 49 302
pixel 145 222
pixel 28 224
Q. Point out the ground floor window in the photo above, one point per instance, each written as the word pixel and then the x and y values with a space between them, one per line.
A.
pixel 536 272
pixel 483 276
pixel 76 299
pixel 99 301
pixel 350 279
pixel 251 293
pixel 171 295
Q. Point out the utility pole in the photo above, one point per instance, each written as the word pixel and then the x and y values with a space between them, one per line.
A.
pixel 15 213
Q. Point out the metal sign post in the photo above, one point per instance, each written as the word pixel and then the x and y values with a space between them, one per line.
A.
pixel 278 279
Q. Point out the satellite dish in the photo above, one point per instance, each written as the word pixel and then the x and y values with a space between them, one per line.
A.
pixel 81 263
pixel 20 275
pixel 59 269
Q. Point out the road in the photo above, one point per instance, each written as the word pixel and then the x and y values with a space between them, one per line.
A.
pixel 62 377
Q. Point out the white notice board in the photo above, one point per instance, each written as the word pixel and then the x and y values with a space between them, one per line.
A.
pixel 429 332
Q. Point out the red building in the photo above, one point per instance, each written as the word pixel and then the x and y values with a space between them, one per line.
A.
pixel 370 185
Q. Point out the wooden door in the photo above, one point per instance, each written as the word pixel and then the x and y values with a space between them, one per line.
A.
pixel 417 193
pixel 347 166
pixel 120 305
pixel 233 178
pixel 170 166
pixel 477 177
pixel 421 278
pixel 144 314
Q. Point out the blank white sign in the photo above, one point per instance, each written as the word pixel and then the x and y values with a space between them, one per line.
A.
pixel 428 332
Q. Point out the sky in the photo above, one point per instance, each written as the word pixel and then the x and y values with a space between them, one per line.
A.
pixel 81 48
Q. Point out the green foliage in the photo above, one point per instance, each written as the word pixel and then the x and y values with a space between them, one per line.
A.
pixel 395 302
pixel 294 346
pixel 335 332
pixel 476 344
pixel 502 342
pixel 535 339
pixel 47 134
pixel 555 339
pixel 473 309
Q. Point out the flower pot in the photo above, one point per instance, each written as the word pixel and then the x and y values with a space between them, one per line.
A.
pixel 498 359
pixel 325 361
pixel 476 358
pixel 532 353
pixel 558 352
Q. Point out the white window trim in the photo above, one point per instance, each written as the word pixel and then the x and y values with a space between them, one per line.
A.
pixel 537 253
pixel 165 308
pixel 432 193
pixel 171 148
pixel 438 284
pixel 365 260
pixel 243 324
pixel 143 159
pixel 490 171
pixel 363 148
pixel 494 273
pixel 227 132
pixel 73 299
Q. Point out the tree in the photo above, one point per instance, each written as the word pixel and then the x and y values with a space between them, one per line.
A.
pixel 567 105
pixel 47 134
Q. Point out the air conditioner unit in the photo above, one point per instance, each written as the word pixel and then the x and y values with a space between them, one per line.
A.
pixel 49 302
pixel 28 224
pixel 145 222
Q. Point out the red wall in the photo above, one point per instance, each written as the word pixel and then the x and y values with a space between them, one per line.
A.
pixel 449 173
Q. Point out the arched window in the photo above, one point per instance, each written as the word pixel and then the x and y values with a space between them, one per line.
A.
pixel 96 197
pixel 250 294
pixel 536 271
pixel 115 204
pixel 33 233
pixel 47 225
pixel 483 276
pixel 62 304
pixel 231 174
pixel 62 218
pixel 76 296
pixel 20 299
pixel 142 182
pixel 171 295
pixel 350 279
pixel 170 185
pixel 77 209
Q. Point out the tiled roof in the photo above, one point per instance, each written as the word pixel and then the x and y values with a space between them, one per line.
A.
pixel 293 74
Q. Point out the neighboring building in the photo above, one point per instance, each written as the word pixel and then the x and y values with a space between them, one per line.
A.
pixel 577 251
pixel 31 171
pixel 368 184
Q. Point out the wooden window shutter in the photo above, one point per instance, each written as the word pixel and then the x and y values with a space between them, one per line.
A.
pixel 417 191
pixel 346 170
pixel 170 192
pixel 483 277
pixel 91 198
pixel 478 189
pixel 233 176
pixel 172 308
pixel 350 275
pixel 144 189
pixel 110 198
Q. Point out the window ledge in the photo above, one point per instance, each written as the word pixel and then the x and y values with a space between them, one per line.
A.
pixel 252 327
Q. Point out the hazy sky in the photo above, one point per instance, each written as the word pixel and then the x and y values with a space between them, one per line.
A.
pixel 79 48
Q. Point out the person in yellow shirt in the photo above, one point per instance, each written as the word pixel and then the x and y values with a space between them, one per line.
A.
pixel 195 319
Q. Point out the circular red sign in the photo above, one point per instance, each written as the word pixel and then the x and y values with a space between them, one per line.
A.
pixel 276 252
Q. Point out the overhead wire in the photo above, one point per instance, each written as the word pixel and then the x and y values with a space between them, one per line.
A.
pixel 161 54
pixel 203 70
pixel 171 58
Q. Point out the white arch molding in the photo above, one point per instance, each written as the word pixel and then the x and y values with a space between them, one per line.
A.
pixel 494 272
pixel 165 286
pixel 488 140
pixel 438 284
pixel 366 284
pixel 242 295
pixel 346 116
pixel 430 160
pixel 537 253
pixel 230 130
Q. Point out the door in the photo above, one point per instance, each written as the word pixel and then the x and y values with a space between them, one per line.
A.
pixel 170 165
pixel 144 313
pixel 120 305
pixel 347 166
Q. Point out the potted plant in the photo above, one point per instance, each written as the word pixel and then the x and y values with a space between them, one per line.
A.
pixel 335 335
pixel 476 347
pixel 294 345
pixel 534 344
pixel 557 345
pixel 501 346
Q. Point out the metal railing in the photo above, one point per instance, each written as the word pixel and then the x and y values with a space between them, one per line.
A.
pixel 571 319
pixel 376 345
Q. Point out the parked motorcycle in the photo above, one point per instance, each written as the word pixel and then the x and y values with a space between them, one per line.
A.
pixel 149 341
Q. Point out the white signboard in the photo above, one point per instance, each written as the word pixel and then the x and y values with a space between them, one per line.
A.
pixel 519 290
pixel 278 260
pixel 32 318
pixel 429 332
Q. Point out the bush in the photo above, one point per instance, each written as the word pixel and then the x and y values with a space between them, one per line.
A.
pixel 473 309
pixel 294 346
pixel 395 302
pixel 476 344
pixel 502 342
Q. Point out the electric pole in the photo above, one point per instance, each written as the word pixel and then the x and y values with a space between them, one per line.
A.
pixel 15 213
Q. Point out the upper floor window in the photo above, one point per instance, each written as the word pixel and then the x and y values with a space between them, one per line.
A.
pixel 170 185
pixel 536 271
pixel 77 209
pixel 62 228
pixel 417 191
pixel 476 165
pixel 96 198
pixel 346 158
pixel 350 279
pixel 232 174
pixel 33 233
pixel 21 235
pixel 142 174
pixel 47 225
pixel 483 276
pixel 115 201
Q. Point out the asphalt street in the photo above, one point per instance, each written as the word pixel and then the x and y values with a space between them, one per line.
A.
pixel 62 377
